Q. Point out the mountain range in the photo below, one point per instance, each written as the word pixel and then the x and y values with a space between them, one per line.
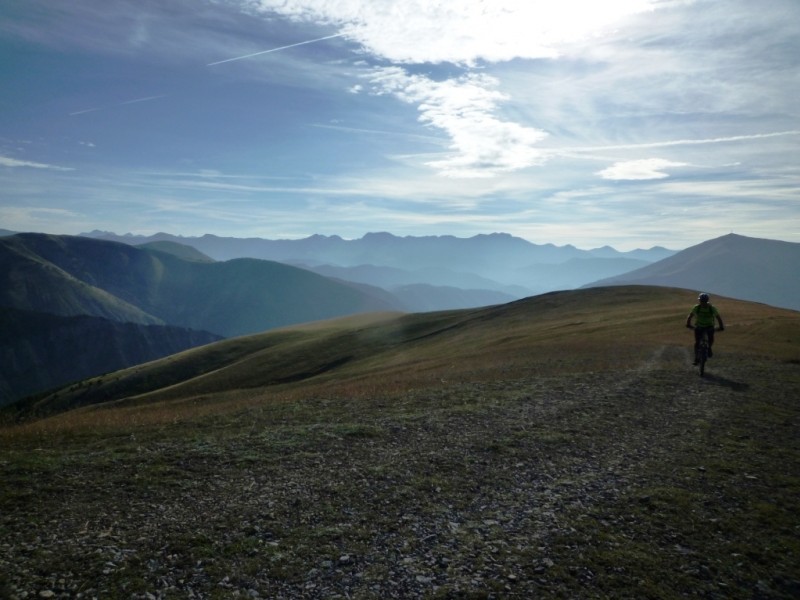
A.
pixel 184 295
pixel 743 267
pixel 70 275
pixel 498 261
pixel 142 303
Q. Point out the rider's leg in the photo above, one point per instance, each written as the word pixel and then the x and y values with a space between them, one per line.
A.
pixel 710 341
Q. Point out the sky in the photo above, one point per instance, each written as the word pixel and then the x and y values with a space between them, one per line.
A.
pixel 629 123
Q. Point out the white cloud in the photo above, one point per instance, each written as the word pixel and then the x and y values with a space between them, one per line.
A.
pixel 647 168
pixel 482 144
pixel 460 31
pixel 6 161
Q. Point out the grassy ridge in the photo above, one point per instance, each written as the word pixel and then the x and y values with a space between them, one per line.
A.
pixel 587 330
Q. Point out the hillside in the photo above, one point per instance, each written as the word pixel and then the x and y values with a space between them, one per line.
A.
pixel 68 275
pixel 733 265
pixel 546 333
pixel 556 447
pixel 33 282
pixel 40 351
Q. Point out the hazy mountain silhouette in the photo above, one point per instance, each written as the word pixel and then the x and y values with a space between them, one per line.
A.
pixel 502 261
pixel 179 250
pixel 40 351
pixel 575 272
pixel 474 287
pixel 69 275
pixel 733 265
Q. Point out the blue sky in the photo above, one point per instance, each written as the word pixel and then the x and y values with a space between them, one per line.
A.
pixel 631 123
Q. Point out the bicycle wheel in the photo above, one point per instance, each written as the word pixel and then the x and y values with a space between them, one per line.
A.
pixel 703 354
pixel 703 357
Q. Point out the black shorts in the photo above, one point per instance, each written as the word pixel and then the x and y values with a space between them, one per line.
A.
pixel 698 333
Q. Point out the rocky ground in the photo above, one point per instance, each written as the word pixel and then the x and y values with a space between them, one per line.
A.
pixel 646 482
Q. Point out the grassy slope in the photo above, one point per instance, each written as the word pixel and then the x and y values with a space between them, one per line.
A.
pixel 44 351
pixel 31 282
pixel 555 447
pixel 597 329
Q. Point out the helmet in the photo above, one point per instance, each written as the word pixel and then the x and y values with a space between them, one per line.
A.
pixel 703 297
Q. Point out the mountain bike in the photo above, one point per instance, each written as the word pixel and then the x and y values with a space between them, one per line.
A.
pixel 702 350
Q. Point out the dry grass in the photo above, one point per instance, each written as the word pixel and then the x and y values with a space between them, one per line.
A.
pixel 388 354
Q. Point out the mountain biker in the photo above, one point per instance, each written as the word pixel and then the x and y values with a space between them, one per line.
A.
pixel 704 314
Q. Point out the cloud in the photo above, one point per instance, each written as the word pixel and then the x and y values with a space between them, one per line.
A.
pixel 632 170
pixel 6 161
pixel 460 31
pixel 465 33
pixel 481 144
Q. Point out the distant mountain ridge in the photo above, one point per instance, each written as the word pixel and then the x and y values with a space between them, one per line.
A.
pixel 125 283
pixel 733 265
pixel 338 250
pixel 501 260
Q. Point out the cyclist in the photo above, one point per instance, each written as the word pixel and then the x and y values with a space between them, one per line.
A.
pixel 704 314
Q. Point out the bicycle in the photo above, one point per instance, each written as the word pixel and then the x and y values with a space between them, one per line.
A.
pixel 702 350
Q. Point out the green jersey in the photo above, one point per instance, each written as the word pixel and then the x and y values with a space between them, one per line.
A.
pixel 704 315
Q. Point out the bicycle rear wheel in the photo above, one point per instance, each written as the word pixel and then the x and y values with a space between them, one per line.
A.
pixel 702 352
pixel 703 357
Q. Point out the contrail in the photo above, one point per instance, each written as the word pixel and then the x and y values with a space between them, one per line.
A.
pixel 327 37
pixel 690 142
pixel 219 62
pixel 81 112
pixel 134 101
pixel 146 99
